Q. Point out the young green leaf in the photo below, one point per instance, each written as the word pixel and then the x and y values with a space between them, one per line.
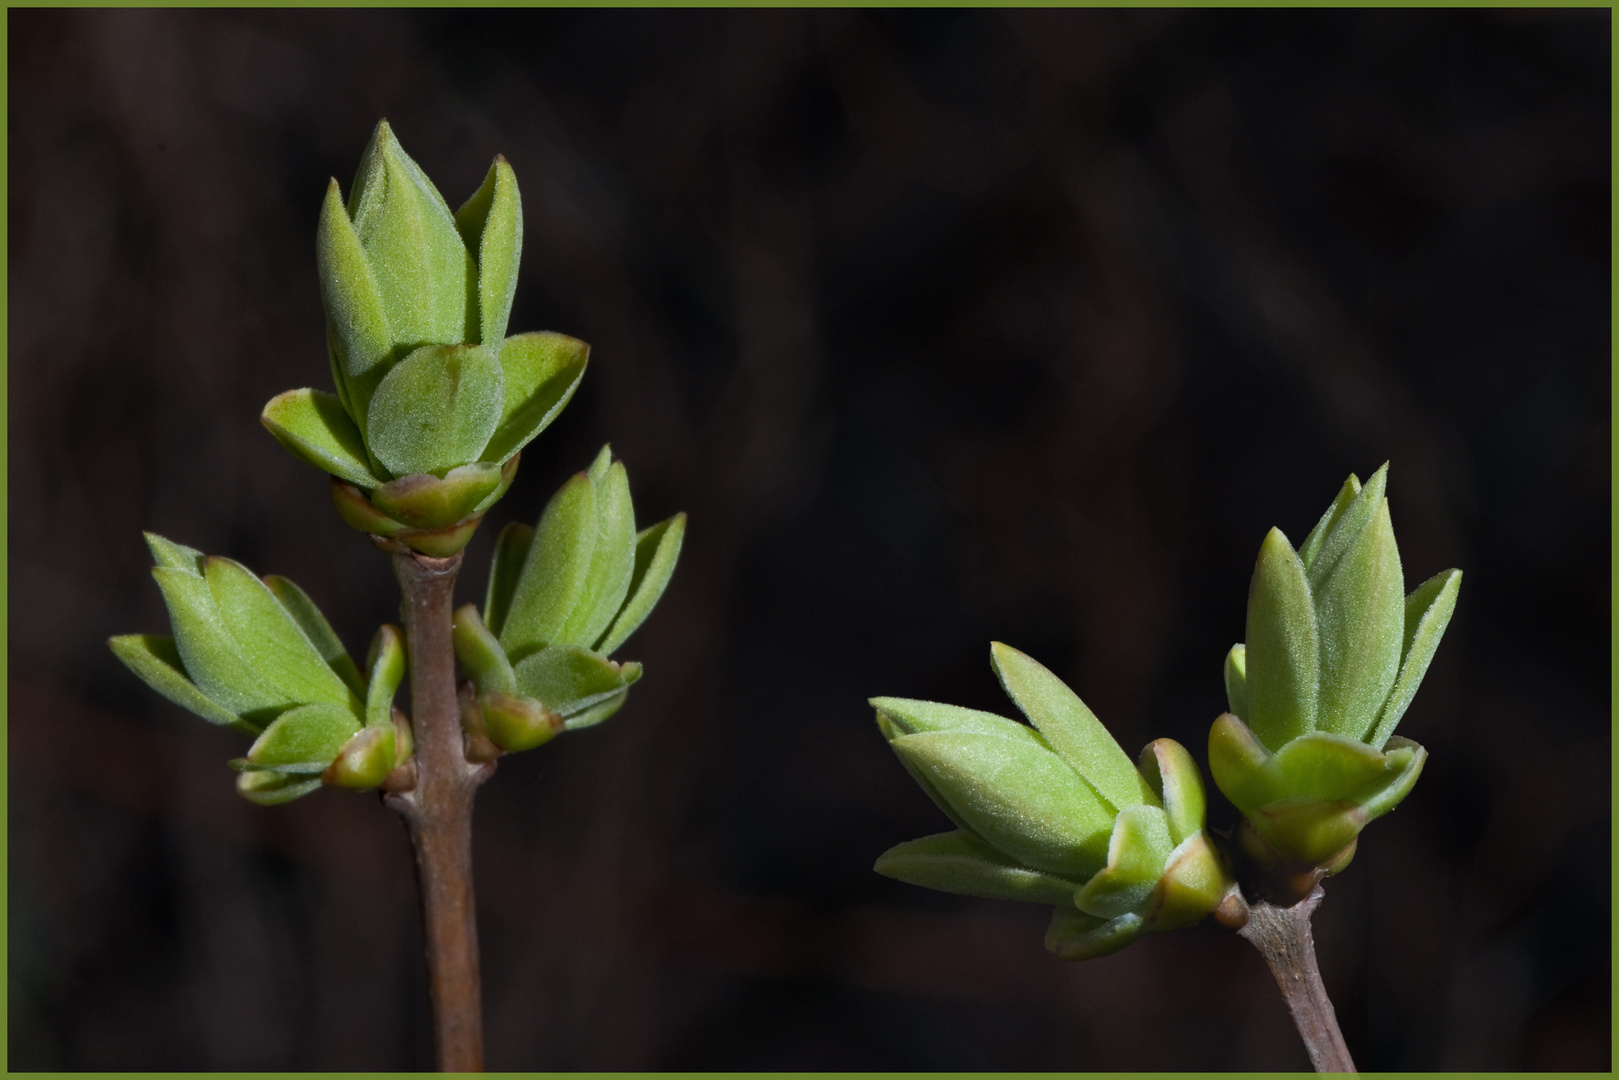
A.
pixel 1074 935
pixel 1312 543
pixel 426 277
pixel 1282 647
pixel 212 657
pixel 1172 772
pixel 480 653
pixel 1136 855
pixel 517 723
pixel 1071 728
pixel 958 862
pixel 657 549
pixel 303 740
pixel 598 712
pixel 274 788
pixel 361 337
pixel 155 659
pixel 1322 765
pixel 176 556
pixel 1236 679
pixel 435 409
pixel 511 550
pixel 1427 612
pixel 365 760
pixel 1405 761
pixel 387 671
pixel 491 225
pixel 1345 528
pixel 554 572
pixel 1023 801
pixel 1240 764
pixel 316 629
pixel 542 370
pixel 313 425
pixel 274 644
pixel 425 501
pixel 570 678
pixel 612 560
pixel 1360 610
pixel 906 717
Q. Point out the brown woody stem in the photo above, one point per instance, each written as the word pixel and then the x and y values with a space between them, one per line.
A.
pixel 438 812
pixel 1282 936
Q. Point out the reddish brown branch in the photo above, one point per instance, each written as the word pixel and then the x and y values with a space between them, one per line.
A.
pixel 438 812
pixel 1282 936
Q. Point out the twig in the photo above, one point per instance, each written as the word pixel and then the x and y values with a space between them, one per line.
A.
pixel 1282 936
pixel 438 812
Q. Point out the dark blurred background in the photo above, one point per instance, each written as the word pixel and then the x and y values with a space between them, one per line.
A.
pixel 944 327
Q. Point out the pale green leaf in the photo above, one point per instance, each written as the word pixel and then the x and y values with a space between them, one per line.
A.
pixel 1171 770
pixel 1074 935
pixel 957 862
pixel 657 549
pixel 1360 610
pixel 569 679
pixel 1283 646
pixel 1071 728
pixel 1023 801
pixel 1312 543
pixel 303 740
pixel 360 336
pixel 908 717
pixel 435 409
pixel 1323 765
pixel 598 712
pixel 553 575
pixel 480 653
pixel 154 658
pixel 316 629
pixel 273 788
pixel 213 659
pixel 1427 612
pixel 542 371
pixel 511 551
pixel 1236 679
pixel 274 644
pixel 425 501
pixel 1136 855
pixel 387 671
pixel 491 226
pixel 612 560
pixel 166 552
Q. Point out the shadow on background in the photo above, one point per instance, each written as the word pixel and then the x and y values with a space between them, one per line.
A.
pixel 944 328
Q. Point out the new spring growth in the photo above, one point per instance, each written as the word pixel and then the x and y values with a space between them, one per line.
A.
pixel 433 400
pixel 259 656
pixel 1334 654
pixel 1056 814
pixel 562 597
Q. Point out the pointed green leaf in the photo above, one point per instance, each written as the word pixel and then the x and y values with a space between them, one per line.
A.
pixel 154 658
pixel 1322 765
pixel 176 556
pixel 1282 647
pixel 1360 610
pixel 508 473
pixel 612 560
pixel 1312 543
pixel 491 226
pixel 1071 727
pixel 387 671
pixel 598 712
pixel 906 717
pixel 426 277
pixel 1405 759
pixel 1074 935
pixel 657 549
pixel 425 501
pixel 957 862
pixel 435 409
pixel 1171 771
pixel 1427 612
pixel 1240 764
pixel 316 629
pixel 554 572
pixel 1021 800
pixel 569 679
pixel 480 653
pixel 598 468
pixel 1236 679
pixel 1136 856
pixel 1309 832
pixel 273 643
pixel 1345 528
pixel 361 337
pixel 542 371
pixel 358 513
pixel 211 655
pixel 273 788
pixel 511 550
pixel 303 740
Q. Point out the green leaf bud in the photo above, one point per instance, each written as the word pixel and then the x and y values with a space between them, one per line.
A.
pixel 417 301
pixel 365 760
pixel 480 653
pixel 273 788
pixel 517 723
pixel 1058 815
pixel 1334 655
pixel 386 668
pixel 303 740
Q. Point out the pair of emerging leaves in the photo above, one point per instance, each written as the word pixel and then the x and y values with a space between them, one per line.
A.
pixel 1058 814
pixel 433 400
pixel 259 656
pixel 561 598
